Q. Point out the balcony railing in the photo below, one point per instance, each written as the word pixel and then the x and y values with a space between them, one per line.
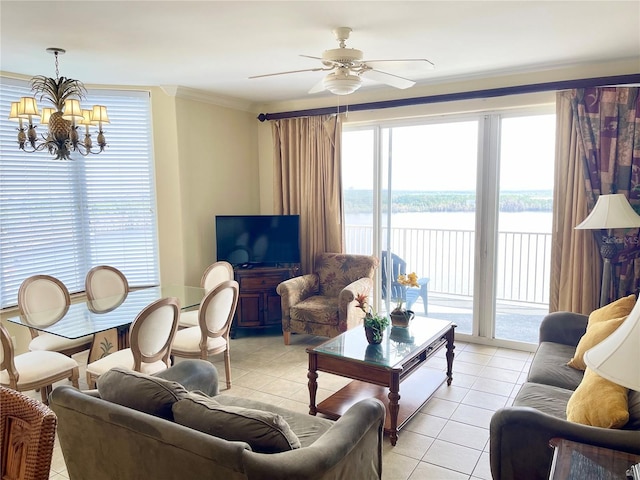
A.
pixel 447 258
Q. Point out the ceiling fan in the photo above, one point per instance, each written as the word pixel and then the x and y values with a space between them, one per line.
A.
pixel 347 68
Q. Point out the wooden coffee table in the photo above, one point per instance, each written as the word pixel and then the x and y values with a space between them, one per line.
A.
pixel 378 370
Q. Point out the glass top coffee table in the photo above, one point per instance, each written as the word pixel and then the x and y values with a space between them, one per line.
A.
pixel 378 370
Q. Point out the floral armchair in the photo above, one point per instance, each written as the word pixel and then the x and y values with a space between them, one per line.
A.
pixel 324 302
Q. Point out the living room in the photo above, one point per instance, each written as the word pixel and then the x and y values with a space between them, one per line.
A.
pixel 211 156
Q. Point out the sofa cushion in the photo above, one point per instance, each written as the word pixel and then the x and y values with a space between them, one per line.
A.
pixel 598 402
pixel 634 411
pixel 308 428
pixel 264 431
pixel 141 392
pixel 549 366
pixel 546 398
pixel 617 309
pixel 596 332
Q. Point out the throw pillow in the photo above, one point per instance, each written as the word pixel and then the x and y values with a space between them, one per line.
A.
pixel 598 402
pixel 141 392
pixel 265 432
pixel 594 335
pixel 617 309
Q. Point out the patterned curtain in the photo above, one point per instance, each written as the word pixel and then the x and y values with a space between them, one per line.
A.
pixel 608 121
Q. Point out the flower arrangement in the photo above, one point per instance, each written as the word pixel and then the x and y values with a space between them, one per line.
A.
pixel 410 280
pixel 372 320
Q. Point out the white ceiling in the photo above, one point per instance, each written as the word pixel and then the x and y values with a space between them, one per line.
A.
pixel 214 46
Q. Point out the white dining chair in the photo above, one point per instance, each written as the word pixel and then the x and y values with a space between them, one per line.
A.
pixel 151 336
pixel 214 275
pixel 43 300
pixel 211 336
pixel 34 370
pixel 105 281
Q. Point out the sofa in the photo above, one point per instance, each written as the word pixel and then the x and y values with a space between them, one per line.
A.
pixel 520 434
pixel 152 426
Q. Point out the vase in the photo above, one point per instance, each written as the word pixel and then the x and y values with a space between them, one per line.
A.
pixel 371 336
pixel 401 317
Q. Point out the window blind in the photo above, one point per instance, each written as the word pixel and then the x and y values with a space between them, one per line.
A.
pixel 60 217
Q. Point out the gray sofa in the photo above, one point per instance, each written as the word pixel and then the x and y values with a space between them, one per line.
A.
pixel 520 434
pixel 104 440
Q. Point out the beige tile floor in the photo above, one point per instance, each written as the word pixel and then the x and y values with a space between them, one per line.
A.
pixel 447 439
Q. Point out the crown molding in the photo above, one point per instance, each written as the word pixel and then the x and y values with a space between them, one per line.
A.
pixel 206 97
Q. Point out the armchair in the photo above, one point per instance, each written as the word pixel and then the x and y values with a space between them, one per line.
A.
pixel 323 303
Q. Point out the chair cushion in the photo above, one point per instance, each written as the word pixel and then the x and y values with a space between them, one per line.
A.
pixel 550 400
pixel 264 431
pixel 316 309
pixel 187 341
pixel 54 343
pixel 122 358
pixel 141 392
pixel 33 366
pixel 598 402
pixel 596 332
pixel 550 367
pixel 189 319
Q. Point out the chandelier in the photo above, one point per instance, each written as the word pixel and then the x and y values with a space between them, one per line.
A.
pixel 63 119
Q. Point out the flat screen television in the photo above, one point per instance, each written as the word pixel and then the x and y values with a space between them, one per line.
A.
pixel 258 240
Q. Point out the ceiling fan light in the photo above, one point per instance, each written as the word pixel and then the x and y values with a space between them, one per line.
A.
pixel 342 84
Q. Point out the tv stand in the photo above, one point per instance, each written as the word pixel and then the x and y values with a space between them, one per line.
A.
pixel 258 301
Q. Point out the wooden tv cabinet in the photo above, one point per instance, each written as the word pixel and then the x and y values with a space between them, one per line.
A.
pixel 258 302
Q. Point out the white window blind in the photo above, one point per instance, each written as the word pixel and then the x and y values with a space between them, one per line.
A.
pixel 61 217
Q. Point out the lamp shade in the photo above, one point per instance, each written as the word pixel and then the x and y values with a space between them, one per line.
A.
pixel 617 357
pixel 611 211
pixel 342 84
pixel 13 114
pixel 28 107
pixel 99 115
pixel 72 110
pixel 46 115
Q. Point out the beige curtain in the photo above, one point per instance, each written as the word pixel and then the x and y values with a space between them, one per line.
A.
pixel 307 181
pixel 576 263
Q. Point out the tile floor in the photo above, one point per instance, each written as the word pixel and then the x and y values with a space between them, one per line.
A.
pixel 447 439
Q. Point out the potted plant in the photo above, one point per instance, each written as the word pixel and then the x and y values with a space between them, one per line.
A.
pixel 400 317
pixel 374 323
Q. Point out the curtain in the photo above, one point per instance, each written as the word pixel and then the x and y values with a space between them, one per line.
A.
pixel 307 181
pixel 606 122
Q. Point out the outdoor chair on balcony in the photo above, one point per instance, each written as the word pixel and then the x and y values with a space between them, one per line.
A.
pixel 398 291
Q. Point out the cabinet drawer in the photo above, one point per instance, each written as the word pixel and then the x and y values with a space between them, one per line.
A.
pixel 261 282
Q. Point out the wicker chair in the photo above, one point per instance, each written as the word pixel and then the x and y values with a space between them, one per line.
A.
pixel 27 436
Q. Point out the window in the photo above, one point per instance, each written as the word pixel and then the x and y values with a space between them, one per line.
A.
pixel 61 218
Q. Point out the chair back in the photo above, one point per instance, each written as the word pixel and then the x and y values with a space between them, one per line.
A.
pixel 6 357
pixel 337 270
pixel 215 274
pixel 105 281
pixel 393 266
pixel 27 436
pixel 43 298
pixel 217 310
pixel 152 331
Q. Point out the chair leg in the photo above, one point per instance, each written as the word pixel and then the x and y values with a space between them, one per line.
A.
pixel 75 375
pixel 287 337
pixel 424 293
pixel 44 394
pixel 227 368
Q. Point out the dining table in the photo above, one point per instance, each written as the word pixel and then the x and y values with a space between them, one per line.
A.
pixel 107 319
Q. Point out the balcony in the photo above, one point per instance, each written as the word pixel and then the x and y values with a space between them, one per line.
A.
pixel 447 258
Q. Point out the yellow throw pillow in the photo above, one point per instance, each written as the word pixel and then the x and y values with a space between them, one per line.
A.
pixel 599 402
pixel 617 309
pixel 594 335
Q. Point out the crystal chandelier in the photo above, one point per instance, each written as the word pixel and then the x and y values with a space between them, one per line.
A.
pixel 63 119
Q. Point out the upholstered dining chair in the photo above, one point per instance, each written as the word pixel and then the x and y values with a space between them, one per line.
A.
pixel 324 302
pixel 214 275
pixel 105 281
pixel 34 370
pixel 151 336
pixel 27 436
pixel 211 336
pixel 44 300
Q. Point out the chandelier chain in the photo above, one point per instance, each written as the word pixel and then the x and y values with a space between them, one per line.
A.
pixel 57 71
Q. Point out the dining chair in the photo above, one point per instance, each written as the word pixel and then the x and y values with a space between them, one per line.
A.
pixel 105 281
pixel 151 336
pixel 44 300
pixel 214 275
pixel 211 336
pixel 34 370
pixel 27 436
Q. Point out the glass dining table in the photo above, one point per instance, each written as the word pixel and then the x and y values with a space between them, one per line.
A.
pixel 108 319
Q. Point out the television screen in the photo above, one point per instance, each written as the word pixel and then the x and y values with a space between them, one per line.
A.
pixel 253 240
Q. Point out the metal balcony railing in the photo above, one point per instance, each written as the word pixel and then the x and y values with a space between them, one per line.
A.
pixel 447 258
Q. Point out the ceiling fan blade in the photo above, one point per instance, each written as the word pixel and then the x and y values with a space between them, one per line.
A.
pixel 388 79
pixel 311 56
pixel 377 63
pixel 318 87
pixel 318 69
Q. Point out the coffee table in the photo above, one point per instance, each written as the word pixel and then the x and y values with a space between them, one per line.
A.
pixel 379 370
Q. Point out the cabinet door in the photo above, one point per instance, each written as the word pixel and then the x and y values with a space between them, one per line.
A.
pixel 249 311
pixel 274 310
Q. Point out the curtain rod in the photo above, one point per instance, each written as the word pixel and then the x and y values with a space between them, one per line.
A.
pixel 450 97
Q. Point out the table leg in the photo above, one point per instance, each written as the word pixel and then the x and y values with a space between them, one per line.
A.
pixel 313 384
pixel 394 407
pixel 450 354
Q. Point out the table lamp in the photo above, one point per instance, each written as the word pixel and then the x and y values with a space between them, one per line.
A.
pixel 611 211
